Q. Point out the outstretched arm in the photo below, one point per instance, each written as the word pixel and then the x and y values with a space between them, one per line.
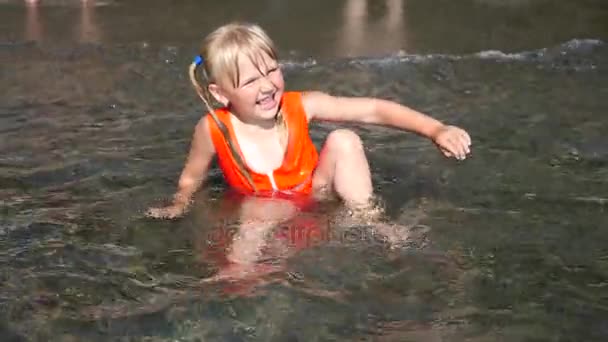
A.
pixel 453 141
pixel 194 173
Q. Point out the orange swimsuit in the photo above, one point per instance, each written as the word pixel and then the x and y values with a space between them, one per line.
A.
pixel 299 162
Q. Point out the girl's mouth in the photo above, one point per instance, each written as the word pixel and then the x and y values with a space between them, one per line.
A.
pixel 267 102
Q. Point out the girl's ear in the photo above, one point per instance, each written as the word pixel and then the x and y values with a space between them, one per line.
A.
pixel 218 94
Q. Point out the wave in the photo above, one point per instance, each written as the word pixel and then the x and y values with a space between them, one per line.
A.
pixel 575 54
pixel 572 50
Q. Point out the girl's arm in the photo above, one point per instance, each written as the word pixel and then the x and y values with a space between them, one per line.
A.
pixel 194 173
pixel 453 141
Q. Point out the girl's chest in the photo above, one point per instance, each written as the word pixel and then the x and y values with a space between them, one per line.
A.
pixel 263 154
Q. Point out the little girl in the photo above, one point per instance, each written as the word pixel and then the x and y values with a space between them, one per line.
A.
pixel 260 136
pixel 261 140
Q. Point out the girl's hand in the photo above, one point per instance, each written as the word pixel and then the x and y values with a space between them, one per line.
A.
pixel 169 212
pixel 453 142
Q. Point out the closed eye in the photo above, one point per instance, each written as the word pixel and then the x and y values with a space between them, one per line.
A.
pixel 272 71
pixel 249 81
pixel 255 78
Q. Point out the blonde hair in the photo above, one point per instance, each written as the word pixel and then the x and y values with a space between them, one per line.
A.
pixel 221 50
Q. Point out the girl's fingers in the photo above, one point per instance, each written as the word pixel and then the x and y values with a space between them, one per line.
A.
pixel 455 146
pixel 454 150
pixel 466 137
pixel 463 140
pixel 461 143
pixel 456 143
pixel 464 145
pixel 161 213
pixel 446 152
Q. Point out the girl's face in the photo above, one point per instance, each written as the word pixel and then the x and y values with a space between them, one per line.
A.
pixel 257 96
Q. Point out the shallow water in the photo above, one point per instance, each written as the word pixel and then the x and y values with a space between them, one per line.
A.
pixel 93 132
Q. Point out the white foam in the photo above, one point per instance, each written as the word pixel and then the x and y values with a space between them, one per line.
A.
pixel 401 56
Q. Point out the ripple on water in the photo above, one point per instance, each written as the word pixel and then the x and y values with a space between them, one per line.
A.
pixel 516 231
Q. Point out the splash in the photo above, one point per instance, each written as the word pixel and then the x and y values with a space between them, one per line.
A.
pixel 575 54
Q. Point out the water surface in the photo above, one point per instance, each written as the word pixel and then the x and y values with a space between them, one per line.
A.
pixel 94 130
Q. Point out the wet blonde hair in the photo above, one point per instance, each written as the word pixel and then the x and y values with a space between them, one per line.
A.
pixel 221 50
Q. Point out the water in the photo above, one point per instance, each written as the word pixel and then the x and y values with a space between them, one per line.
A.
pixel 94 131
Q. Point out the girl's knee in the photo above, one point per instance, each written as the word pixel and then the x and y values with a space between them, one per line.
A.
pixel 344 140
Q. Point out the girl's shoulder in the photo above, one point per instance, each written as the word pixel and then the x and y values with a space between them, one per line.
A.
pixel 314 101
pixel 203 133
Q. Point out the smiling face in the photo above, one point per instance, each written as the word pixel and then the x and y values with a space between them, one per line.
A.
pixel 255 93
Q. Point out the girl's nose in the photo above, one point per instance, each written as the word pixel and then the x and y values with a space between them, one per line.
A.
pixel 266 85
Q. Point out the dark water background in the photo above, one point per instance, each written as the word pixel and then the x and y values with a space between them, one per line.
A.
pixel 96 114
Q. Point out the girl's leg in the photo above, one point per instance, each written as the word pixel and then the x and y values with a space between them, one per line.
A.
pixel 258 216
pixel 242 249
pixel 343 169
